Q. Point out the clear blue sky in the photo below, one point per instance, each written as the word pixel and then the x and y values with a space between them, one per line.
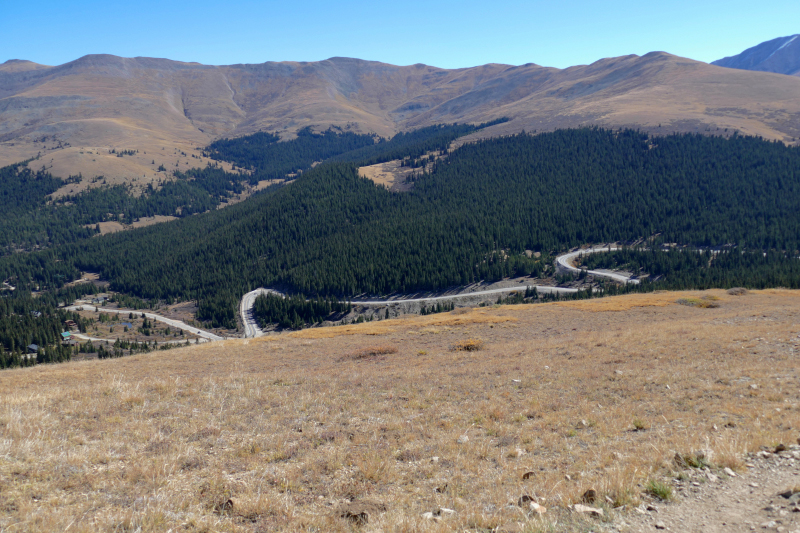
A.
pixel 446 34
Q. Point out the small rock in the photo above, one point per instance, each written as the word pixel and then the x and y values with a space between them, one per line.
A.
pixel 609 500
pixel 430 516
pixel 527 475
pixel 582 424
pixel 524 500
pixel 463 439
pixel 585 509
pixel 652 508
pixel 618 372
pixel 729 472
pixel 753 386
pixel 754 485
pixel 590 496
pixel 567 477
pixel 519 452
pixel 537 509
pixel 780 448
pixel 359 512
pixel 796 509
pixel 770 524
pixel 712 478
pixel 660 525
pixel 434 459
pixel 444 511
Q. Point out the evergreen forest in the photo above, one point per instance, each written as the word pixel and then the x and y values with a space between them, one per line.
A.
pixel 470 217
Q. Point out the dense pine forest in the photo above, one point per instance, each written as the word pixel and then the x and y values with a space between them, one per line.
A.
pixel 25 320
pixel 33 220
pixel 266 158
pixel 270 159
pixel 334 233
pixel 704 269
pixel 296 311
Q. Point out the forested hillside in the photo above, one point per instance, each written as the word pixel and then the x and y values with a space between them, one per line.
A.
pixel 33 221
pixel 704 269
pixel 332 232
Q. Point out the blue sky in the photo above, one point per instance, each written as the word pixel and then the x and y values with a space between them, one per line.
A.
pixel 447 34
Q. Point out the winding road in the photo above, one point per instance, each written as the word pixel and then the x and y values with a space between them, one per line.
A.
pixel 563 264
pixel 249 321
pixel 169 321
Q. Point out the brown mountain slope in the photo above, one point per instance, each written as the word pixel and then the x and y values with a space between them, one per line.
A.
pixel 166 108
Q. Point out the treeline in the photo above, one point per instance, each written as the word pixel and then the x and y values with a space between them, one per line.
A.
pixel 705 269
pixel 270 159
pixel 26 220
pixel 333 233
pixel 266 158
pixel 32 220
pixel 413 144
pixel 295 312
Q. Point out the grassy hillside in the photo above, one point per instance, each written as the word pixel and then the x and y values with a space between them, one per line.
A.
pixel 292 432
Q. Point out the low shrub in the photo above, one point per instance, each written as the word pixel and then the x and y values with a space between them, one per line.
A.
pixel 469 345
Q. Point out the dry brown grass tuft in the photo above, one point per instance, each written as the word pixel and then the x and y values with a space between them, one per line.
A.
pixel 288 432
pixel 737 291
pixel 373 351
pixel 469 345
pixel 703 303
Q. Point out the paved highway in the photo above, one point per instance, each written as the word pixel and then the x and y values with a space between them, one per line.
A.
pixel 175 323
pixel 564 263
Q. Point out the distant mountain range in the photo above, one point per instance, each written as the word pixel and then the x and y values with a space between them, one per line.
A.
pixel 74 114
pixel 781 55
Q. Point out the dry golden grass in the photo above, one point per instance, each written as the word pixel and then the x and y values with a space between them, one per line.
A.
pixel 286 433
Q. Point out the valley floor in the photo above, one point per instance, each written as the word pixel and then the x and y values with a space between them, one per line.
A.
pixel 370 426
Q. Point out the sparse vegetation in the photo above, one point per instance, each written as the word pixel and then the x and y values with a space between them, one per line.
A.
pixel 373 351
pixel 288 433
pixel 659 489
pixel 469 345
pixel 698 302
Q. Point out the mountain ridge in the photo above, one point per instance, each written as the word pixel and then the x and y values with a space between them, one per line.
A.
pixel 166 108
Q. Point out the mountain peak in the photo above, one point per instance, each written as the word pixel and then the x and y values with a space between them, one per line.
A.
pixel 781 55
pixel 20 65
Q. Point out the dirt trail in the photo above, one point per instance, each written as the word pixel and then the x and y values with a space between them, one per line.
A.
pixel 751 501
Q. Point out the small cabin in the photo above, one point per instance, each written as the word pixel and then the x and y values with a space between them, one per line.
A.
pixel 33 348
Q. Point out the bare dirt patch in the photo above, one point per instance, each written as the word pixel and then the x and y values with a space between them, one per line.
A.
pixel 390 174
pixel 291 431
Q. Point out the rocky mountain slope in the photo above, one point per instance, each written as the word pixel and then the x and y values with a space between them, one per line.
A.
pixel 74 114
pixel 781 55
